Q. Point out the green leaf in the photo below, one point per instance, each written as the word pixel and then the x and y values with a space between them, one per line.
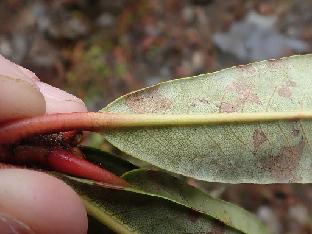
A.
pixel 95 227
pixel 237 152
pixel 135 212
pixel 168 187
pixel 106 160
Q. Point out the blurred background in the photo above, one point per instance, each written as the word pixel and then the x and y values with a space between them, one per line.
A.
pixel 99 50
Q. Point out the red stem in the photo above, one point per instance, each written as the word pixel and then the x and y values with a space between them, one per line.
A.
pixel 64 161
pixel 90 121
pixel 58 159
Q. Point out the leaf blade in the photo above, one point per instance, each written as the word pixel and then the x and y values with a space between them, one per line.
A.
pixel 266 152
pixel 136 212
pixel 167 187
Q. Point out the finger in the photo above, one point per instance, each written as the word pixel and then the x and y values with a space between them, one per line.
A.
pixel 59 101
pixel 10 69
pixel 40 202
pixel 19 99
pixel 22 95
pixel 19 95
pixel 29 74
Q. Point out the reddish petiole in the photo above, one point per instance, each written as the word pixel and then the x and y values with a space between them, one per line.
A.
pixel 27 140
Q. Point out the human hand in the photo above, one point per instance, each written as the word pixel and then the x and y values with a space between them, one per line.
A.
pixel 31 201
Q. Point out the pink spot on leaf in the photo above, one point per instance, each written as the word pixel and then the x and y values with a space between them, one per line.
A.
pixel 283 165
pixel 259 138
pixel 148 101
pixel 244 94
pixel 227 107
pixel 285 90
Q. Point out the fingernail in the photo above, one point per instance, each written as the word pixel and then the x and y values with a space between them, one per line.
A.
pixel 10 225
pixel 19 99
pixel 59 101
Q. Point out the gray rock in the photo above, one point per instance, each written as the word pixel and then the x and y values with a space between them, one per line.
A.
pixel 256 38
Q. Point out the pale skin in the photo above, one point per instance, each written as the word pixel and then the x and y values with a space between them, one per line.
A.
pixel 31 201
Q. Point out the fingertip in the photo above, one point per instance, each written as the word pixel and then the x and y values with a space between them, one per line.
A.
pixel 29 74
pixel 10 69
pixel 23 95
pixel 19 99
pixel 59 101
pixel 44 203
pixel 19 95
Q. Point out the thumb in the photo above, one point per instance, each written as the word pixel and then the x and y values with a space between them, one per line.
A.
pixel 34 202
pixel 19 95
pixel 19 99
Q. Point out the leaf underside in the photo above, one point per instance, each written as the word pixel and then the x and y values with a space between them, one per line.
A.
pixel 165 186
pixel 134 211
pixel 264 152
pixel 170 188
